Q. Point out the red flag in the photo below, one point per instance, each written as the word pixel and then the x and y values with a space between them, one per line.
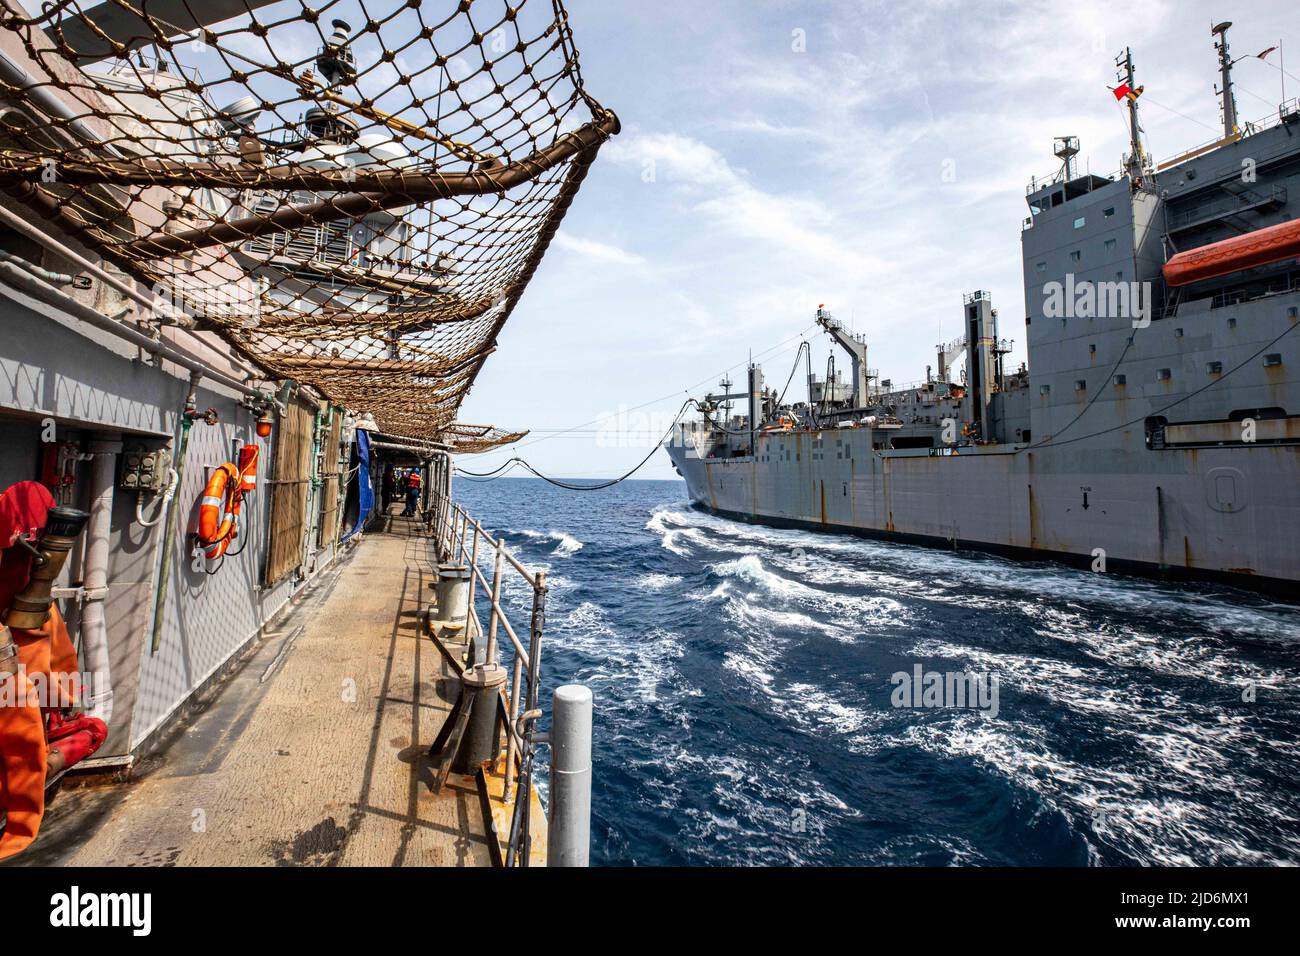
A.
pixel 1121 91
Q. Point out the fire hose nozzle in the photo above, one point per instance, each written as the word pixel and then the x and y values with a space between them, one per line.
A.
pixel 31 607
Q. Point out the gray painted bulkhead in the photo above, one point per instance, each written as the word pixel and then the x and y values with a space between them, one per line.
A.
pixel 93 385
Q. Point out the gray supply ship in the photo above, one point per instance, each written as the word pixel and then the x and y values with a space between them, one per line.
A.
pixel 1155 426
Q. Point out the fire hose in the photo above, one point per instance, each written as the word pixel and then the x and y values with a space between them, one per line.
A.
pixel 41 734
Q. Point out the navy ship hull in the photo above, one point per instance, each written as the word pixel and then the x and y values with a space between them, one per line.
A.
pixel 1035 506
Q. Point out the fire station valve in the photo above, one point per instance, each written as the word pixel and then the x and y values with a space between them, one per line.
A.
pixel 31 608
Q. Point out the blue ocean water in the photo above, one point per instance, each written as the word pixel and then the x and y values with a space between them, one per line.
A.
pixel 745 713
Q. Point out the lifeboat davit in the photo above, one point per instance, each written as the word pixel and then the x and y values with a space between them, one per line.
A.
pixel 1258 248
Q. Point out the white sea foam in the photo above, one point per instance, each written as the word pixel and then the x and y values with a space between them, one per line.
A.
pixel 641 670
pixel 750 570
pixel 674 533
pixel 981 582
pixel 843 616
pixel 657 582
pixel 1162 804
pixel 566 546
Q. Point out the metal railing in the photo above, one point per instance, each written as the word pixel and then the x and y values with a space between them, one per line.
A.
pixel 1219 207
pixel 461 540
pixel 1286 112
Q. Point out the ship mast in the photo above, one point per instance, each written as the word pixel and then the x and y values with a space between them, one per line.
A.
pixel 1136 160
pixel 1225 73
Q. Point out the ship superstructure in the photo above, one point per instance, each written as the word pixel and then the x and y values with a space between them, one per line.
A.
pixel 1155 425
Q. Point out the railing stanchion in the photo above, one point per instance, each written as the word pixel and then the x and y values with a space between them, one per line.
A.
pixel 536 622
pixel 496 603
pixel 473 589
pixel 516 685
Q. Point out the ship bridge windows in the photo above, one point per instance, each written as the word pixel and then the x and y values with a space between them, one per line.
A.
pixel 1080 222
pixel 1108 211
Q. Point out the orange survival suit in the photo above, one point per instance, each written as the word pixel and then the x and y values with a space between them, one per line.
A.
pixel 38 730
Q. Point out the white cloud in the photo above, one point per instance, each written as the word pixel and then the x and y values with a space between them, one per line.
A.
pixel 599 251
pixel 797 227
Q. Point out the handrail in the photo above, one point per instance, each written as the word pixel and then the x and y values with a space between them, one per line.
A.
pixel 457 539
pixel 523 571
pixel 1276 118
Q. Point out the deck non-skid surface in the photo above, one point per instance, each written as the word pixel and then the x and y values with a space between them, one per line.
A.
pixel 315 753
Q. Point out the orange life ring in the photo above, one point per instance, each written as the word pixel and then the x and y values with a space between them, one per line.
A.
pixel 219 511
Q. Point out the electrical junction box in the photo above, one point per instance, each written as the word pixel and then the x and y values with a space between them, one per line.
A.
pixel 144 469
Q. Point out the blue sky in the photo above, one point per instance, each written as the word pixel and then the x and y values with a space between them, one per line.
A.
pixel 881 171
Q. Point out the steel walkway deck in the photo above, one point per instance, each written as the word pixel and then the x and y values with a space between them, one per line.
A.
pixel 313 753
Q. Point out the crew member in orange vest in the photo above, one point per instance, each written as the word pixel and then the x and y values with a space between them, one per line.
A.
pixel 412 493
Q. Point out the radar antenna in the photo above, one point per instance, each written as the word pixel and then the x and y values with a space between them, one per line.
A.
pixel 335 60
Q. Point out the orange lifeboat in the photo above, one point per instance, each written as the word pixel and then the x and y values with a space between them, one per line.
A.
pixel 1258 248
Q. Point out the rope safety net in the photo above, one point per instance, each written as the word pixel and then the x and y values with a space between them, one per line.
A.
pixel 354 195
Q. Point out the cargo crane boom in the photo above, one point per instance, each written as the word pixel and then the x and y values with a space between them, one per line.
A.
pixel 856 346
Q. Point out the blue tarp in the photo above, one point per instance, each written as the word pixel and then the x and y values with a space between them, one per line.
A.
pixel 365 491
